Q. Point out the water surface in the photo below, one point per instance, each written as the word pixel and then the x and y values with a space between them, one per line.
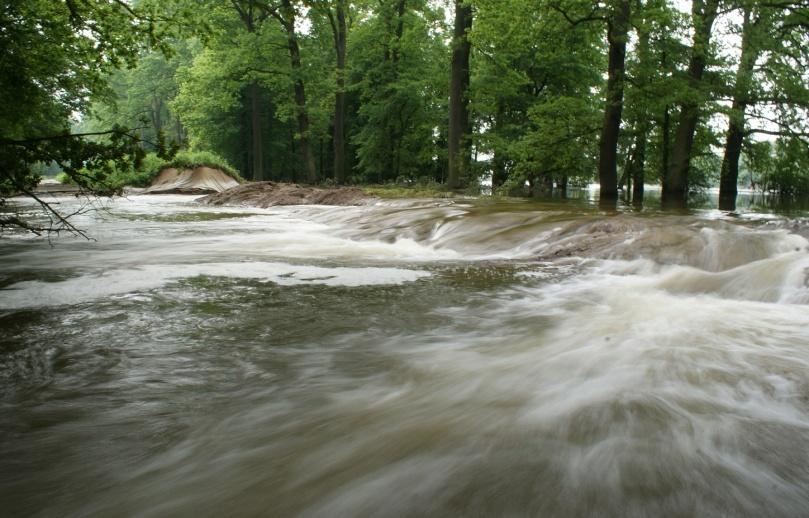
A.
pixel 406 358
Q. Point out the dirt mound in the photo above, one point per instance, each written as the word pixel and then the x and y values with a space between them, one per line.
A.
pixel 200 180
pixel 268 194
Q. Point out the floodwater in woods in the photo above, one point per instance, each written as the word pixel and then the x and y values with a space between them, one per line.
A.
pixel 406 358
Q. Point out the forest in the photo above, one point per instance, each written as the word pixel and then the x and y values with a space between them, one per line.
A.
pixel 528 96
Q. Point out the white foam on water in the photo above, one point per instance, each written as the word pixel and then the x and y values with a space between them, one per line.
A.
pixel 131 280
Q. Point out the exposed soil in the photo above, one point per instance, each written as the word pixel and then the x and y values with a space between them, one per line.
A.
pixel 269 194
pixel 199 180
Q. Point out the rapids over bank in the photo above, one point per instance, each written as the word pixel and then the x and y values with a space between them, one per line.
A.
pixel 403 359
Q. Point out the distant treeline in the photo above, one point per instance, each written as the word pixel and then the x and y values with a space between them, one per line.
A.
pixel 525 92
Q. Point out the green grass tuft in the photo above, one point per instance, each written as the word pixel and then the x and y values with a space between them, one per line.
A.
pixel 406 191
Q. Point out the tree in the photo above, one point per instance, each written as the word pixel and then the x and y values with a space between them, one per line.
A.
pixel 639 114
pixel 336 12
pixel 532 92
pixel 736 118
pixel 398 77
pixel 56 56
pixel 286 13
pixel 458 147
pixel 649 91
pixel 142 97
pixel 675 183
pixel 770 88
pixel 253 14
pixel 617 33
pixel 616 15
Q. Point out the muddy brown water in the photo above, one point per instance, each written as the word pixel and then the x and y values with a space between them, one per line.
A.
pixel 406 358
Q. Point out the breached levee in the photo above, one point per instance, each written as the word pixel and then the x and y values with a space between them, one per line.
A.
pixel 270 194
pixel 197 180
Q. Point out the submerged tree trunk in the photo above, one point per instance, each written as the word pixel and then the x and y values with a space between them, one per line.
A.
pixel 608 144
pixel 458 146
pixel 304 145
pixel 643 123
pixel 735 137
pixel 665 145
pixel 675 186
pixel 665 133
pixel 638 166
pixel 499 172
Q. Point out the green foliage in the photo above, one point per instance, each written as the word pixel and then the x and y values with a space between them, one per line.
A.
pixel 141 97
pixel 399 76
pixel 191 160
pixel 55 57
pixel 786 171
pixel 533 88
pixel 562 143
pixel 424 189
pixel 704 171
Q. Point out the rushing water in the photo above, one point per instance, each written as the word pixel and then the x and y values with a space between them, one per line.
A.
pixel 406 358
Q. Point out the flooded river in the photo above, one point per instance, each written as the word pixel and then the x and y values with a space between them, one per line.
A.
pixel 406 358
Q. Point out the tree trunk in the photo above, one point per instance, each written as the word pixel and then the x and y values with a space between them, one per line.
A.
pixel 675 187
pixel 665 145
pixel 608 143
pixel 179 131
pixel 499 173
pixel 156 114
pixel 257 164
pixel 292 146
pixel 735 136
pixel 627 186
pixel 247 13
pixel 321 155
pixel 338 139
pixel 394 27
pixel 638 166
pixel 730 164
pixel 458 145
pixel 642 126
pixel 401 6
pixel 304 145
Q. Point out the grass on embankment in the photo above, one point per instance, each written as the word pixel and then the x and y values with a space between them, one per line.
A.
pixel 395 191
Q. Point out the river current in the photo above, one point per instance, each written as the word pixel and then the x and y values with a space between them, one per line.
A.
pixel 405 358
